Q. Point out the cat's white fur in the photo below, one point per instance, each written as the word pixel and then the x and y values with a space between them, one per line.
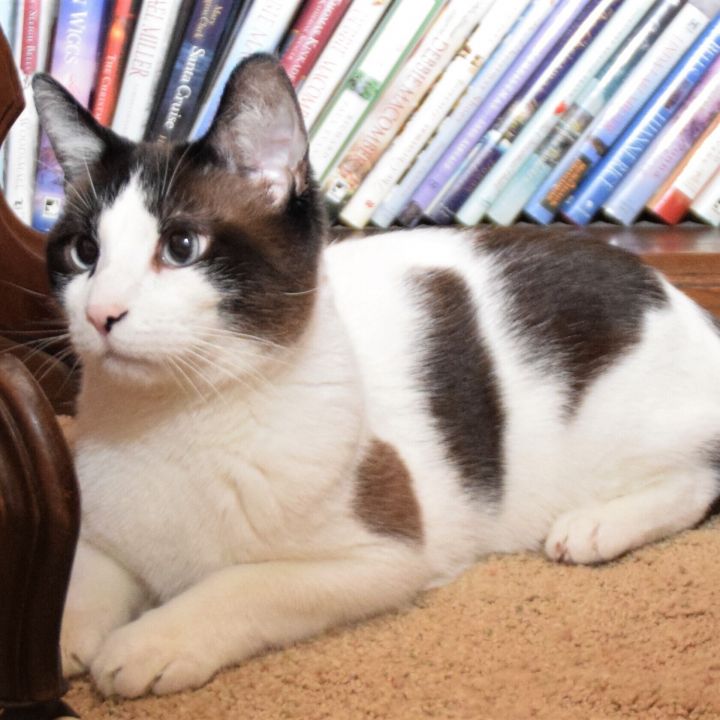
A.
pixel 218 513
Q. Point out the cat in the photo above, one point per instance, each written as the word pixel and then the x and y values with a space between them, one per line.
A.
pixel 277 435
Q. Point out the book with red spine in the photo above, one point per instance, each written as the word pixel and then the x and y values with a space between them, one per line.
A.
pixel 311 33
pixel 674 197
pixel 115 49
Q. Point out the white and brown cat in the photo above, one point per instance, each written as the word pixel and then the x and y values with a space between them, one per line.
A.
pixel 275 436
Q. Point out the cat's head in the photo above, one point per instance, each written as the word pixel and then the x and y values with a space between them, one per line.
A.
pixel 181 258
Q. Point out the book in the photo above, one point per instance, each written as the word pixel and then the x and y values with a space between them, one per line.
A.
pixel 515 22
pixel 210 22
pixel 442 40
pixel 344 45
pixel 384 54
pixel 558 124
pixel 568 49
pixel 7 26
pixel 261 30
pixel 616 161
pixel 112 60
pixel 673 198
pixel 151 41
pixel 623 102
pixel 76 46
pixel 309 36
pixel 706 205
pixel 558 15
pixel 418 129
pixel 668 148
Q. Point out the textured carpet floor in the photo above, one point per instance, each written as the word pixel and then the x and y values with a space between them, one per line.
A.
pixel 516 637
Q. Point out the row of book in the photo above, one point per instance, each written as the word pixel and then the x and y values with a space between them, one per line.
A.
pixel 418 110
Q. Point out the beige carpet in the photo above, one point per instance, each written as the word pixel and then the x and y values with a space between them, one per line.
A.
pixel 516 637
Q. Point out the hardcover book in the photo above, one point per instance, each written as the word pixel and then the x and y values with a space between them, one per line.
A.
pixel 515 22
pixel 615 164
pixel 559 15
pixel 551 132
pixel 262 30
pixel 617 112
pixel 354 29
pixel 674 197
pixel 151 44
pixel 209 25
pixel 76 46
pixel 668 148
pixel 311 33
pixel 441 41
pixel 561 58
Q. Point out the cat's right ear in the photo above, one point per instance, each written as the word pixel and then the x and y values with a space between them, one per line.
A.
pixel 76 137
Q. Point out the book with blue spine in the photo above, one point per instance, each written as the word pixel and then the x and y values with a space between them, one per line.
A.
pixel 559 16
pixel 668 149
pixel 262 29
pixel 512 182
pixel 619 109
pixel 561 58
pixel 205 33
pixel 514 22
pixel 609 172
pixel 76 48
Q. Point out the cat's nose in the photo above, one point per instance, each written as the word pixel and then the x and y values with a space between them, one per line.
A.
pixel 103 317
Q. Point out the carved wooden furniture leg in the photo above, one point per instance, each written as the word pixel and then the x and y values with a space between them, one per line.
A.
pixel 39 501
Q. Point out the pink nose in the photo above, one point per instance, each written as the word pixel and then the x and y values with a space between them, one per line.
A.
pixel 103 317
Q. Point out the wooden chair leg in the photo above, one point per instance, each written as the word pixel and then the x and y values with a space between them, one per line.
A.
pixel 39 499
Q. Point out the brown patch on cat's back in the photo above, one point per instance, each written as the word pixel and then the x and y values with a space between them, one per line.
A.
pixel 384 498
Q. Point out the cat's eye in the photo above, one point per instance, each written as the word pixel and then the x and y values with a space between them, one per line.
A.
pixel 83 252
pixel 181 249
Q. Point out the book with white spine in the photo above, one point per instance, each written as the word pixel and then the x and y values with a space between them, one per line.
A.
pixel 436 49
pixel 515 22
pixel 421 125
pixel 33 30
pixel 343 47
pixel 7 25
pixel 384 54
pixel 262 30
pixel 706 206
pixel 148 51
pixel 617 30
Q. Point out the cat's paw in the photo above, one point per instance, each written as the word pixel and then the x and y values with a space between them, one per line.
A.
pixel 150 655
pixel 584 537
pixel 81 636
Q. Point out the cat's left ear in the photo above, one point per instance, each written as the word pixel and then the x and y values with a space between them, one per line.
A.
pixel 76 137
pixel 259 130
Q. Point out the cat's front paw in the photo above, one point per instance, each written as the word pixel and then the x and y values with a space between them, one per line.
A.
pixel 81 637
pixel 151 655
pixel 585 536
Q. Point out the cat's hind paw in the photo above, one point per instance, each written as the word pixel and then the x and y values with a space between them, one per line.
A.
pixel 584 537
pixel 148 656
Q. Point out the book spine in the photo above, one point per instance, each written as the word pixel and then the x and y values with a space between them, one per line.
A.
pixel 559 14
pixel 423 122
pixel 148 50
pixel 113 57
pixel 264 26
pixel 203 38
pixel 22 138
pixel 614 166
pixel 76 46
pixel 343 47
pixel 443 39
pixel 617 112
pixel 514 21
pixel 383 56
pixel 506 171
pixel 311 33
pixel 706 206
pixel 567 51
pixel 668 148
pixel 673 199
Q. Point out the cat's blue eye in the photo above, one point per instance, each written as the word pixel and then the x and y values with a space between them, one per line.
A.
pixel 83 253
pixel 181 249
